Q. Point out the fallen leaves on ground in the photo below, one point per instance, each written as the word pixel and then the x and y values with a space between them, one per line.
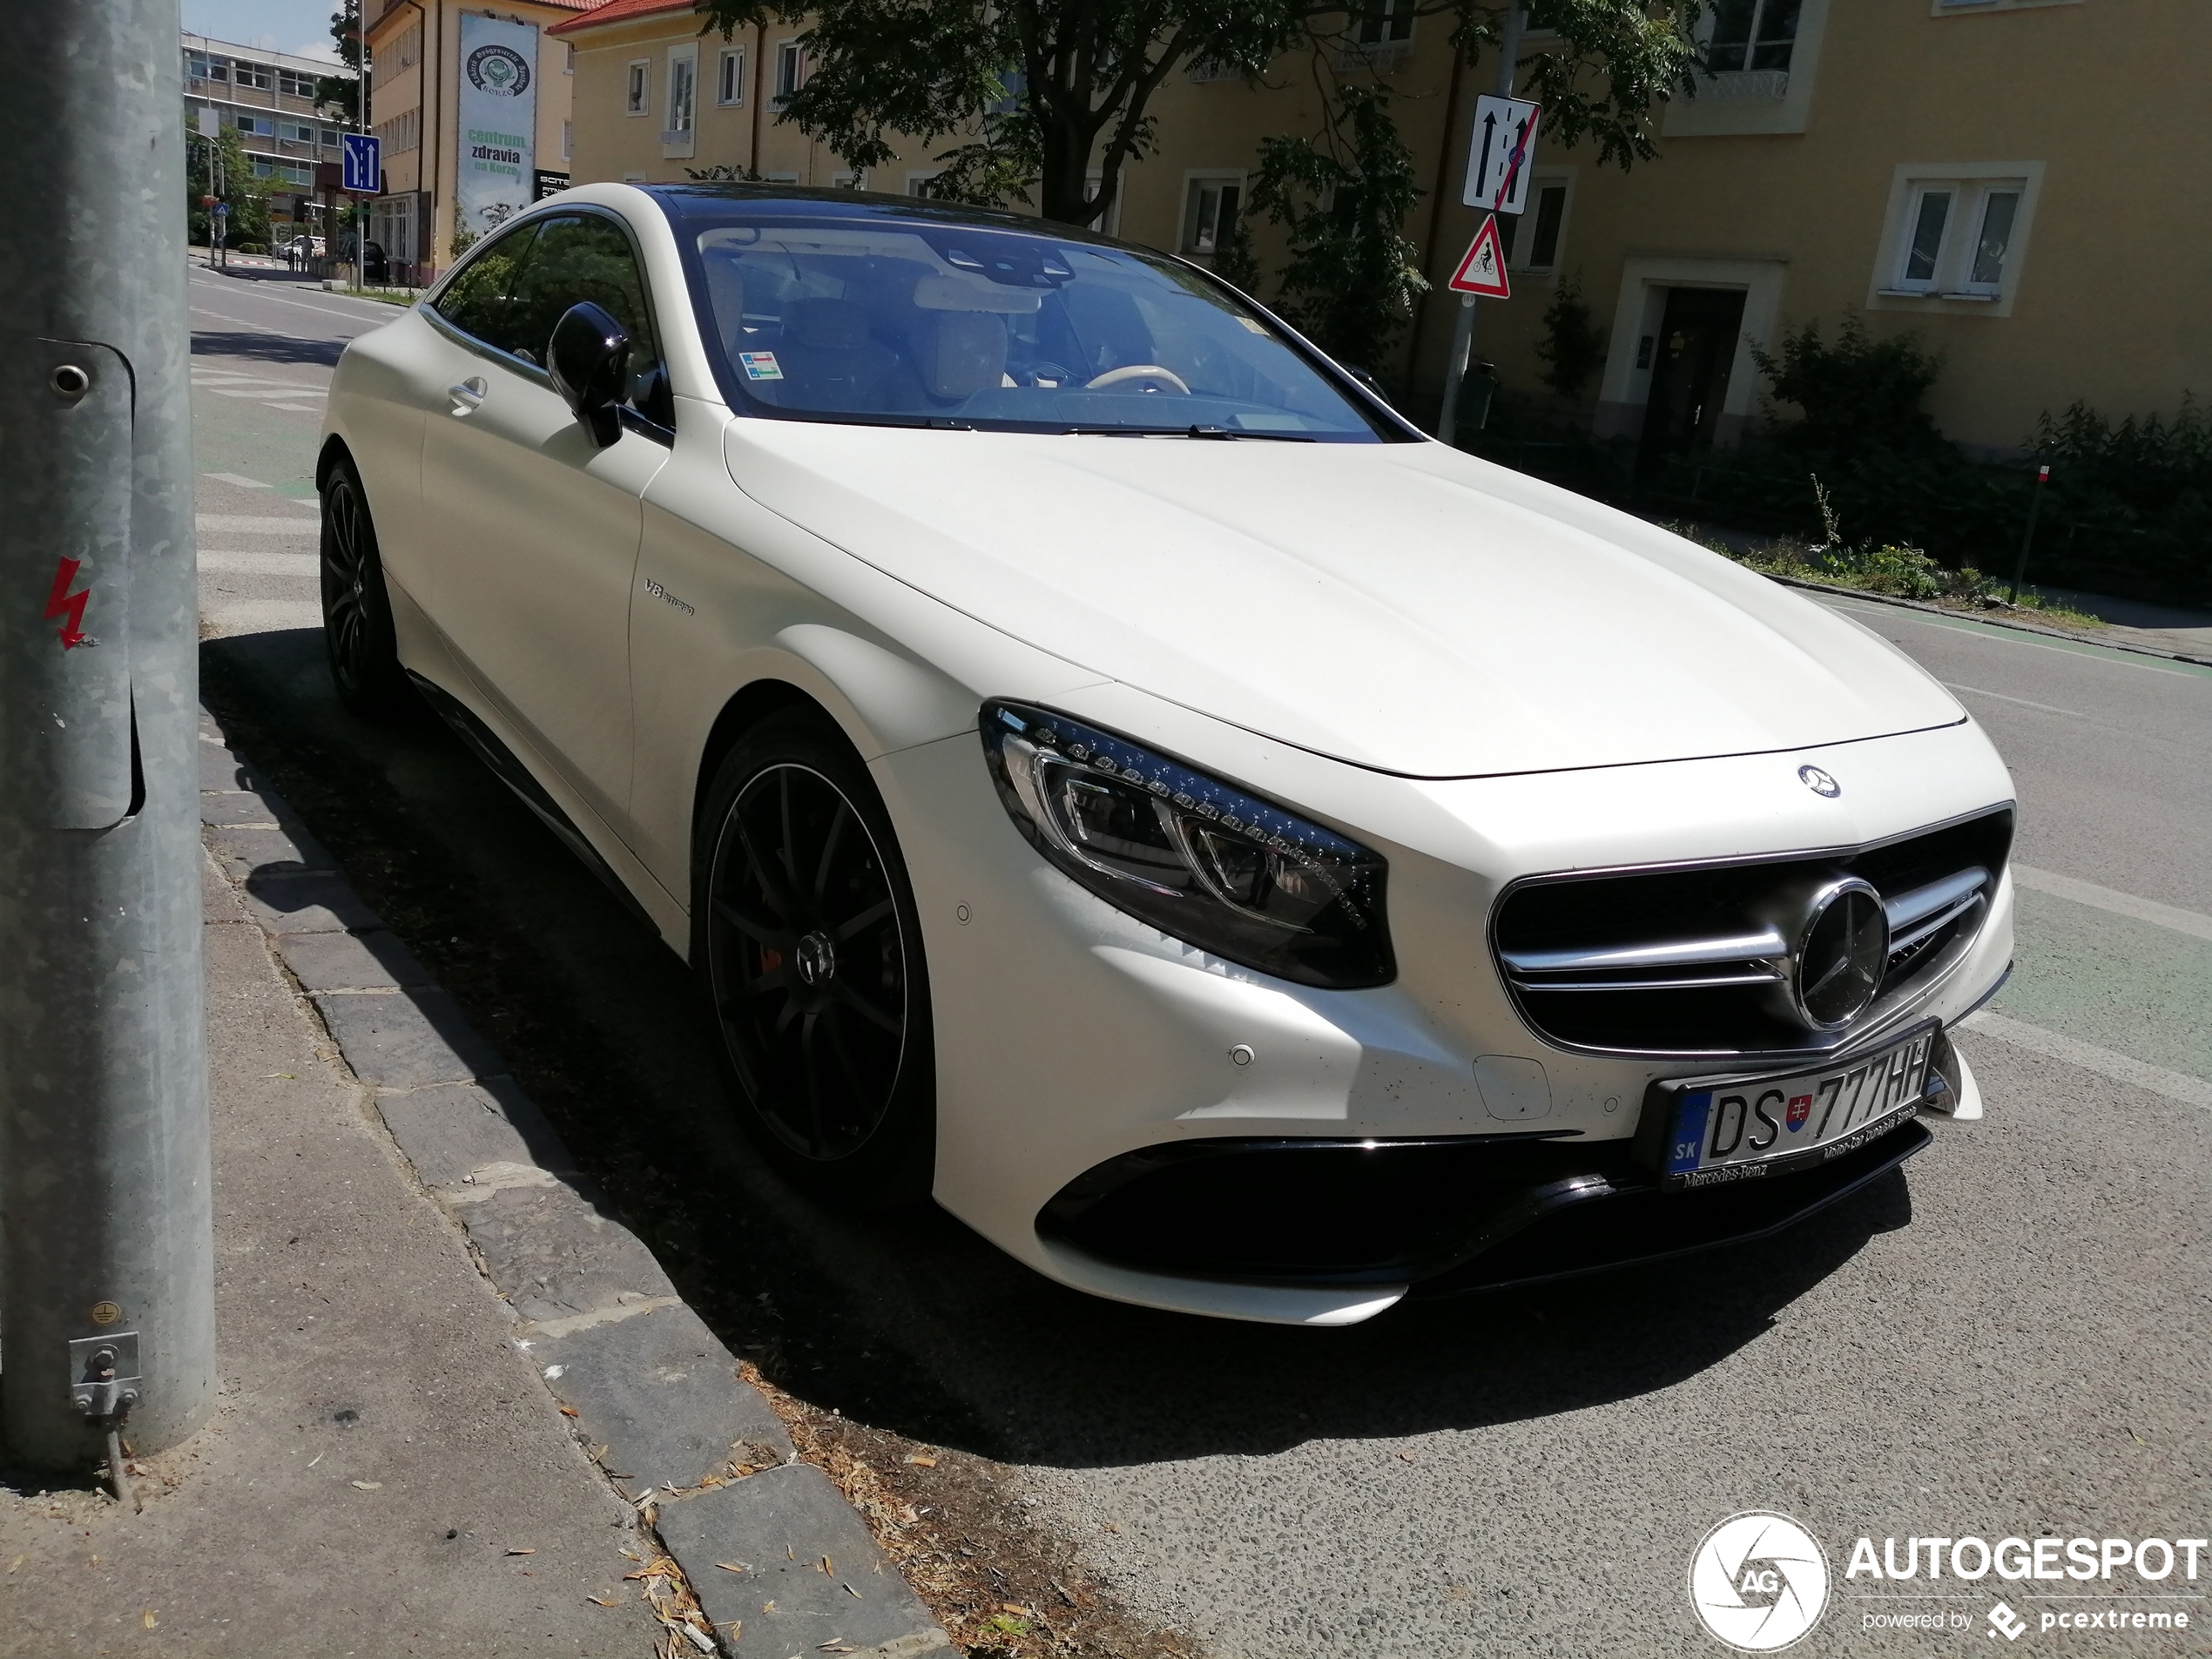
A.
pixel 669 1595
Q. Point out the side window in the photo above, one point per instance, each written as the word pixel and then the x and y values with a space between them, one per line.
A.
pixel 589 257
pixel 477 301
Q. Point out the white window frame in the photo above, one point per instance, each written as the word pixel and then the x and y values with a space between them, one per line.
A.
pixel 920 176
pixel 1539 180
pixel 1950 287
pixel 683 91
pixel 638 87
pixel 1737 101
pixel 850 179
pixel 1195 183
pixel 568 58
pixel 1111 224
pixel 729 78
pixel 567 140
pixel 788 51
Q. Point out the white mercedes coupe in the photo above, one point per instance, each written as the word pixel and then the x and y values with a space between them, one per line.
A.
pixel 1110 773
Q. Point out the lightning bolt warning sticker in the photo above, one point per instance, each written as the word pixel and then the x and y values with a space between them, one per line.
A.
pixel 69 607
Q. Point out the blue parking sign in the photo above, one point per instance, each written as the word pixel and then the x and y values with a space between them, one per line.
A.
pixel 364 164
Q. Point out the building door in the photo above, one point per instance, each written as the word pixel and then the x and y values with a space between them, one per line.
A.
pixel 1696 348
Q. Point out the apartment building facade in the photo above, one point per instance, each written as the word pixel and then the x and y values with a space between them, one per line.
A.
pixel 472 105
pixel 1963 169
pixel 267 100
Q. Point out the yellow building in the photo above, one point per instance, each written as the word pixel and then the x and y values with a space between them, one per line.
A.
pixel 1999 175
pixel 472 104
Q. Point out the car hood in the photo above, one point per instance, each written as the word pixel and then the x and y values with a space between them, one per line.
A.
pixel 1399 606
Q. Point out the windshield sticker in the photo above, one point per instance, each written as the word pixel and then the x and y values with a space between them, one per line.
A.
pixel 759 366
pixel 1257 327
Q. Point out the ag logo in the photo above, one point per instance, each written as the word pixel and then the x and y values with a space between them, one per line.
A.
pixel 1758 1582
pixel 499 71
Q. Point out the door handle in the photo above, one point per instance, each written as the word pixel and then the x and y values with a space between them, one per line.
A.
pixel 467 395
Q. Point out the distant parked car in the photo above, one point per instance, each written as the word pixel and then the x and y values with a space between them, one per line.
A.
pixel 375 268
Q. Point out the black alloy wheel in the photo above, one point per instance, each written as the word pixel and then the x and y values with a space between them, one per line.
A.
pixel 357 630
pixel 810 951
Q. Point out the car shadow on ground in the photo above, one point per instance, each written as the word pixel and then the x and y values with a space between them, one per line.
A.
pixel 261 348
pixel 910 1322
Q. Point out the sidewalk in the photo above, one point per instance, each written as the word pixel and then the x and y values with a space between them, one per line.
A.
pixel 380 1449
pixel 461 1410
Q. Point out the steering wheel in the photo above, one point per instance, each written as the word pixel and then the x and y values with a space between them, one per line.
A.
pixel 1166 377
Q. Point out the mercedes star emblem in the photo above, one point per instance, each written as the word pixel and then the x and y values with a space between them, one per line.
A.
pixel 1819 782
pixel 1842 949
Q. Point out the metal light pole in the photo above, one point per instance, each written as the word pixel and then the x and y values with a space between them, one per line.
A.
pixel 106 1255
pixel 1456 362
pixel 2028 536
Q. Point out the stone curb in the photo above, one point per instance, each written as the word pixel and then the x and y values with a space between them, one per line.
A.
pixel 2016 624
pixel 650 1390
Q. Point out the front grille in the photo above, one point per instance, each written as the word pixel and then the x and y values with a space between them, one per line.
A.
pixel 1692 961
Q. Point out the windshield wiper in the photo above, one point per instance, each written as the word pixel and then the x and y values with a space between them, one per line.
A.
pixel 1219 433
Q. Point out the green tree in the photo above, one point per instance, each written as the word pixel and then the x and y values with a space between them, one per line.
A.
pixel 1353 275
pixel 223 156
pixel 1033 90
pixel 340 95
pixel 1574 346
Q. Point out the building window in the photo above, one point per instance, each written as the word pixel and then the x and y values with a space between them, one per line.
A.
pixel 1210 213
pixel 683 84
pixel 568 58
pixel 791 71
pixel 729 78
pixel 203 67
pixel 1384 22
pixel 567 140
pixel 918 181
pixel 295 132
pixel 637 90
pixel 260 125
pixel 1532 238
pixel 256 76
pixel 848 181
pixel 293 85
pixel 1956 237
pixel 331 138
pixel 1752 35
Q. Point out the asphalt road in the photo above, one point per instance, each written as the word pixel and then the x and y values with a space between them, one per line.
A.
pixel 2006 1338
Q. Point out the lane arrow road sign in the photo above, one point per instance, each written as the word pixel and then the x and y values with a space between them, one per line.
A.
pixel 1502 150
pixel 364 160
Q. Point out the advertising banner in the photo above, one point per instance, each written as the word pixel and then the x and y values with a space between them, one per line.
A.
pixel 498 120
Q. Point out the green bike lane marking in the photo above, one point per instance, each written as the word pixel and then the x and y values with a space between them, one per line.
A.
pixel 2133 987
pixel 2017 636
pixel 232 435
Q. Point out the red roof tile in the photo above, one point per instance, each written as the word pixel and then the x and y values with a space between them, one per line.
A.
pixel 614 11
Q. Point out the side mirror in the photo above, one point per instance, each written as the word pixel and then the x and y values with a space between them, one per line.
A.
pixel 589 360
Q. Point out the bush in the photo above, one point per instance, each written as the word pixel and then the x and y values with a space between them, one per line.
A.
pixel 2130 505
pixel 1573 347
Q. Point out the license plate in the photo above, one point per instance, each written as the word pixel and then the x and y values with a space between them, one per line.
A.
pixel 1742 1128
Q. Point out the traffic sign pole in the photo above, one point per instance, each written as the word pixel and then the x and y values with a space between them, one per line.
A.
pixel 106 1252
pixel 1455 362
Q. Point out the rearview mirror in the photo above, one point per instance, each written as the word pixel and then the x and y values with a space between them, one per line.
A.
pixel 589 360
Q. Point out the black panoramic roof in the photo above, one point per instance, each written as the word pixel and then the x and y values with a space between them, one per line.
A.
pixel 708 203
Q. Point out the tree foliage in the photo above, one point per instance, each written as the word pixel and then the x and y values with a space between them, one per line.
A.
pixel 248 197
pixel 1033 92
pixel 1353 275
pixel 1573 347
pixel 340 95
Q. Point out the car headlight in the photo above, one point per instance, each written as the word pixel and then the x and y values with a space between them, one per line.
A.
pixel 1195 857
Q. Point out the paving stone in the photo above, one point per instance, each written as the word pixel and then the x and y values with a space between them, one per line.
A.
pixel 406 1039
pixel 555 1256
pixel 306 904
pixel 455 1130
pixel 662 1394
pixel 221 770
pixel 779 1525
pixel 247 852
pixel 237 808
pixel 350 961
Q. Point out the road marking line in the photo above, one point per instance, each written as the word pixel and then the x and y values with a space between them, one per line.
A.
pixel 2047 708
pixel 257 328
pixel 2174 1085
pixel 2120 904
pixel 332 311
pixel 249 524
pixel 228 561
pixel 242 482
pixel 2007 637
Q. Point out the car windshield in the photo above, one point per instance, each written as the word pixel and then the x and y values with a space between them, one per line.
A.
pixel 875 320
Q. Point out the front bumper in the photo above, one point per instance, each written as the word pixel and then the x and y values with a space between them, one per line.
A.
pixel 1137 1119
